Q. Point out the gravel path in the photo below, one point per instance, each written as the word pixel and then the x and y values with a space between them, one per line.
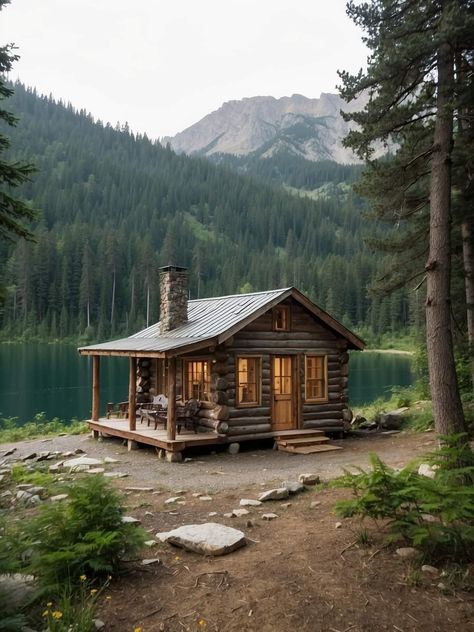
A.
pixel 210 471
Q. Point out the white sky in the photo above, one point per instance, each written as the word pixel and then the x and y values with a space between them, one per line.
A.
pixel 161 65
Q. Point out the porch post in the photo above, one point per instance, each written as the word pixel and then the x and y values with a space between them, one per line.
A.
pixel 171 415
pixel 132 395
pixel 95 387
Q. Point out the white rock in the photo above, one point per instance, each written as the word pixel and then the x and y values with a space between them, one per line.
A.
pixel 228 515
pixel 338 525
pixel 309 479
pixel 58 497
pixel 109 459
pixel 208 539
pixel 285 505
pixel 138 489
pixel 56 467
pixel 211 514
pixel 173 499
pixel 274 494
pixel 294 487
pixel 205 498
pixel 314 504
pixel 150 543
pixel 407 552
pixel 269 516
pixel 98 624
pixel 427 470
pixel 96 470
pixel 130 520
pixel 249 502
pixel 432 570
pixel 240 512
pixel 152 560
pixel 116 474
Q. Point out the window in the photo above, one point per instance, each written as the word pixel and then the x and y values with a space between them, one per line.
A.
pixel 281 318
pixel 316 378
pixel 161 377
pixel 197 379
pixel 248 381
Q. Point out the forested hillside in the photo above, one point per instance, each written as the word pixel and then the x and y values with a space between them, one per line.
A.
pixel 115 206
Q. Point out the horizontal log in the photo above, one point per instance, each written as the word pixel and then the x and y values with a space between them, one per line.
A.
pixel 308 408
pixel 207 405
pixel 325 415
pixel 324 423
pixel 218 412
pixel 220 397
pixel 249 430
pixel 317 338
pixel 221 427
pixel 256 411
pixel 335 397
pixel 246 421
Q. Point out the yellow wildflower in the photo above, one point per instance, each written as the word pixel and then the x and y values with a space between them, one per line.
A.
pixel 45 613
pixel 93 591
pixel 138 629
pixel 83 578
pixel 201 622
pixel 49 604
pixel 108 597
pixel 57 614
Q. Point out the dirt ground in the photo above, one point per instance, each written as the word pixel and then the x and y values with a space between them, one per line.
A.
pixel 297 572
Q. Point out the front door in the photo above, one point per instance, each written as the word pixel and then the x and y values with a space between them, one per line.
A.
pixel 283 393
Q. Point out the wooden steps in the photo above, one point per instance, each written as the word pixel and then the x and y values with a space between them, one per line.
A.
pixel 312 442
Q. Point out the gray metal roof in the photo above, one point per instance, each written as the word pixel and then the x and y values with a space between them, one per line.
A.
pixel 208 318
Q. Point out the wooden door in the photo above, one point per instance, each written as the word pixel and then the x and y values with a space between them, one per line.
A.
pixel 283 393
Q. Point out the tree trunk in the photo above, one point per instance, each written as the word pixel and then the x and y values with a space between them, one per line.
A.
pixel 468 261
pixel 447 408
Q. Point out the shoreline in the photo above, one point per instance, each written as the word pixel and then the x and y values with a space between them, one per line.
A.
pixel 392 351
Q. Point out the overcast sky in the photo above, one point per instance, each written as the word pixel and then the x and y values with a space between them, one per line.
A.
pixel 161 65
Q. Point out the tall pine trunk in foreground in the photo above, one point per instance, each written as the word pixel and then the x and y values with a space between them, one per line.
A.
pixel 447 407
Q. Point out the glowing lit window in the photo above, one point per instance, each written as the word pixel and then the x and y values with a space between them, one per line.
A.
pixel 316 378
pixel 248 381
pixel 197 382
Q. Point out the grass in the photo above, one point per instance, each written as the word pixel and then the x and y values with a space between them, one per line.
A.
pixel 11 430
pixel 419 417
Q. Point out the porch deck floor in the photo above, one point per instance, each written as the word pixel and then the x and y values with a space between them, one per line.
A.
pixel 158 438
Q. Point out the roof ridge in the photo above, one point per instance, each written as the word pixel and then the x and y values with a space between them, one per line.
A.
pixel 214 298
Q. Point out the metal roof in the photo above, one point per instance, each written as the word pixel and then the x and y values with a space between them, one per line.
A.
pixel 213 320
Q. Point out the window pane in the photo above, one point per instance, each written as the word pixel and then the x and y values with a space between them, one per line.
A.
pixel 315 378
pixel 247 380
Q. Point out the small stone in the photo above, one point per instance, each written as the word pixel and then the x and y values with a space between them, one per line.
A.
pixel 294 487
pixel 309 479
pixel 34 500
pixel 211 514
pixel 109 459
pixel 285 505
pixel 314 504
pixel 442 586
pixel 426 568
pixel 269 516
pixel 407 552
pixel 116 474
pixel 24 486
pixel 149 513
pixel 56 467
pixel 249 502
pixel 429 518
pixel 196 494
pixel 23 496
pixel 79 451
pixel 233 448
pixel 150 543
pixel 9 452
pixel 249 524
pixel 58 497
pixel 274 494
pixel 173 499
pixel 42 456
pixel 205 498
pixel 98 624
pixel 130 520
pixel 153 560
pixel 139 489
pixel 66 455
pixel 6 494
pixel 427 470
pixel 238 513
pixel 95 470
pixel 338 525
pixel 228 515
pixel 28 457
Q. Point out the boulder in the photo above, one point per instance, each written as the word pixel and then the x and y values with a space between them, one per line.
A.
pixel 278 493
pixel 294 487
pixel 393 420
pixel 210 538
pixel 428 470
pixel 233 448
pixel 19 589
pixel 269 516
pixel 249 502
pixel 309 479
pixel 81 464
pixel 238 513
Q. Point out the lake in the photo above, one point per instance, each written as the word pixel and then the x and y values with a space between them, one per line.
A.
pixel 54 379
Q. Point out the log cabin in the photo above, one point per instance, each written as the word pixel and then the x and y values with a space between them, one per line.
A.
pixel 260 365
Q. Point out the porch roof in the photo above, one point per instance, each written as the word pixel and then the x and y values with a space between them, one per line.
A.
pixel 210 322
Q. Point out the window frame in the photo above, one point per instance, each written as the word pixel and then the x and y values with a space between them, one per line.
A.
pixel 258 381
pixel 325 396
pixel 186 362
pixel 287 323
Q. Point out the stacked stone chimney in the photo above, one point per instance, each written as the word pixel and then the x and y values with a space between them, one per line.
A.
pixel 174 298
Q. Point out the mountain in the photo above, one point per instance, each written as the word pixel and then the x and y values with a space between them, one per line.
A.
pixel 114 206
pixel 311 129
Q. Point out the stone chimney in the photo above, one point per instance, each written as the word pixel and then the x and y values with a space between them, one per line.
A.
pixel 173 297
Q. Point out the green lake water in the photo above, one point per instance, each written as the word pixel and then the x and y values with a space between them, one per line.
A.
pixel 54 379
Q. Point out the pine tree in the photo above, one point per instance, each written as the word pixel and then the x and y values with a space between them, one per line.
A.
pixel 412 102
pixel 14 213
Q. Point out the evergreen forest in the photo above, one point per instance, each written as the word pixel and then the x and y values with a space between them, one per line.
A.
pixel 114 206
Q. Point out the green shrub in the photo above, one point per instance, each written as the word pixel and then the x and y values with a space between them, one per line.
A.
pixel 436 515
pixel 11 430
pixel 74 610
pixel 83 536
